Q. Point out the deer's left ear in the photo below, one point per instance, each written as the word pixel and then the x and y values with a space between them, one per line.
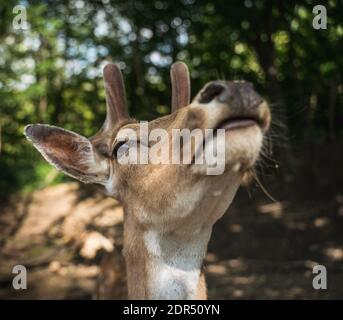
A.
pixel 69 152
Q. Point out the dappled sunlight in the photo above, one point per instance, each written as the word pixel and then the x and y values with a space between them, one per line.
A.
pixel 70 237
pixel 235 228
pixel 237 264
pixel 65 256
pixel 238 293
pixel 216 269
pixel 321 222
pixel 274 253
pixel 274 209
pixel 63 235
pixel 296 292
pixel 300 226
pixel 334 254
pixel 244 280
pixel 94 242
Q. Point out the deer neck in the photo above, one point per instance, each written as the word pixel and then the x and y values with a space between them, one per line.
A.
pixel 164 262
pixel 164 265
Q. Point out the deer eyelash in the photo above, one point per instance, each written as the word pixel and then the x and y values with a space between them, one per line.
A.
pixel 117 146
pixel 121 143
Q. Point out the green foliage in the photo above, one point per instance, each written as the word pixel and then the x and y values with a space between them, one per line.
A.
pixel 52 72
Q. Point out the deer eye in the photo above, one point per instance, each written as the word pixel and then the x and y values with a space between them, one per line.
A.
pixel 118 146
pixel 122 147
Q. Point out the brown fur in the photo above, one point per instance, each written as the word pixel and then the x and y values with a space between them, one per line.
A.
pixel 169 209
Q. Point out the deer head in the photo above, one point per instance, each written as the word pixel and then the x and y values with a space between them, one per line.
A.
pixel 169 209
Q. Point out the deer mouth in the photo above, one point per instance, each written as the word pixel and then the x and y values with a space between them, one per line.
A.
pixel 260 118
pixel 234 123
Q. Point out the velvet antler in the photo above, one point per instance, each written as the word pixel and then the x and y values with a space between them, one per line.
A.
pixel 181 87
pixel 117 112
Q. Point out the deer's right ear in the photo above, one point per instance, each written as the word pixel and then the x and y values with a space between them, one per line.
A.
pixel 69 152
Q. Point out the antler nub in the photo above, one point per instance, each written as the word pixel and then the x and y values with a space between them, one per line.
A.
pixel 115 95
pixel 116 113
pixel 181 87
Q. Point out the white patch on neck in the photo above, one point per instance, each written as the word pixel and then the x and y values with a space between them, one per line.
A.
pixel 174 266
pixel 152 244
pixel 172 283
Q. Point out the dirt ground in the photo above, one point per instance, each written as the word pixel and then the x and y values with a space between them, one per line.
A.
pixel 259 250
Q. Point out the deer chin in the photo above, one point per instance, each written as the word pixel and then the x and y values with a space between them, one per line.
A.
pixel 237 150
pixel 242 147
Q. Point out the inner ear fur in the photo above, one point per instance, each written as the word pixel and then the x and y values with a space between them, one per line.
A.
pixel 69 152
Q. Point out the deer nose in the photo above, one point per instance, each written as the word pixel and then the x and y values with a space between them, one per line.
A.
pixel 237 95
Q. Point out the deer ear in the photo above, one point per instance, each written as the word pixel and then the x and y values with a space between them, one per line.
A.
pixel 69 152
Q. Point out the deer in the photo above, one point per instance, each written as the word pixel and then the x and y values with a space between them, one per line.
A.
pixel 169 209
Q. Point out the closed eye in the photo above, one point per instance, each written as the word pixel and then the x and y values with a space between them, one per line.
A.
pixel 122 147
pixel 117 147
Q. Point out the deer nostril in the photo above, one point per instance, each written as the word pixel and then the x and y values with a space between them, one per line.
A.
pixel 211 91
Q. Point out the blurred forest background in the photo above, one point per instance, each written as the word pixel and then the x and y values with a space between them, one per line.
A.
pixel 52 73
